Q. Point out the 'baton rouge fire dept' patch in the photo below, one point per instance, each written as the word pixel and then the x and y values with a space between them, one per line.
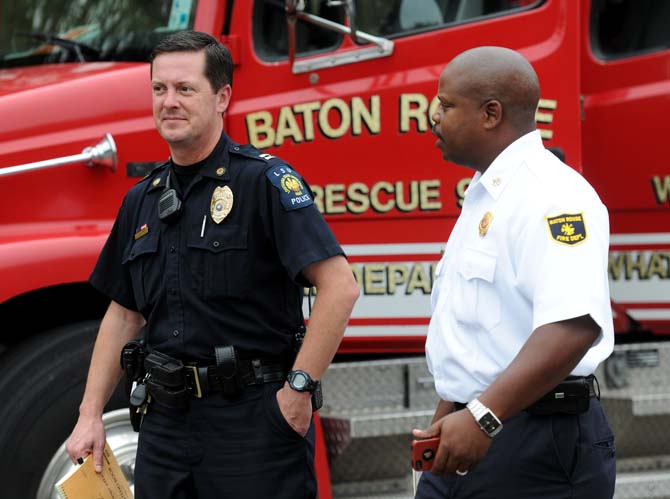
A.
pixel 567 228
pixel 292 190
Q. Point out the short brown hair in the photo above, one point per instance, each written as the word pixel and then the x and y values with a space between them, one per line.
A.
pixel 218 62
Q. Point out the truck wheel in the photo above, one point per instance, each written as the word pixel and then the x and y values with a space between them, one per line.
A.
pixel 41 384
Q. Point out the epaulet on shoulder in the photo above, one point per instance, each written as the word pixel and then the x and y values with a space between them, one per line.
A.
pixel 249 151
pixel 154 170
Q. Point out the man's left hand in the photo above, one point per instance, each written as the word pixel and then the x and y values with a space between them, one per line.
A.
pixel 296 407
pixel 462 443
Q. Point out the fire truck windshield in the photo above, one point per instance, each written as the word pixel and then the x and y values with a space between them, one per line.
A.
pixel 34 32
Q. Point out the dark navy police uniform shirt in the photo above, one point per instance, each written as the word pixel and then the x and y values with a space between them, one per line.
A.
pixel 200 283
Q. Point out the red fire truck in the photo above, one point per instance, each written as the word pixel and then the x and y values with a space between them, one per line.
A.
pixel 343 90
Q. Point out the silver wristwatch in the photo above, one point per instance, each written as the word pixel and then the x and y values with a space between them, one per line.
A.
pixel 487 421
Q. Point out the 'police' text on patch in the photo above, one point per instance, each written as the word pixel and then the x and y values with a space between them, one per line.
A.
pixel 292 190
pixel 568 228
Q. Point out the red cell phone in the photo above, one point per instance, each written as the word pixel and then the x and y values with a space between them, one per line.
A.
pixel 423 453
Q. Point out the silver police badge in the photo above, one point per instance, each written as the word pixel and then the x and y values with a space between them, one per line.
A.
pixel 222 203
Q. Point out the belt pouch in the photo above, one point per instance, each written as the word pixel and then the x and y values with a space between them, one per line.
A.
pixel 165 370
pixel 226 363
pixel 132 356
pixel 571 396
pixel 172 399
pixel 166 380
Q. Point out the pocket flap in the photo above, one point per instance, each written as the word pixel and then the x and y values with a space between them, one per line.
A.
pixel 218 238
pixel 477 264
pixel 142 246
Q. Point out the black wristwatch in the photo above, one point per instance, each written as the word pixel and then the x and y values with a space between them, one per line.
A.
pixel 300 381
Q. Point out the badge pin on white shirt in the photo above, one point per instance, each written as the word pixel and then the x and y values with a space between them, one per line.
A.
pixel 485 223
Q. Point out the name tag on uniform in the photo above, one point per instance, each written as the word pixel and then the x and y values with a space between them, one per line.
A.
pixel 141 232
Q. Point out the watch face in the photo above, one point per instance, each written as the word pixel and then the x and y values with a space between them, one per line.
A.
pixel 489 423
pixel 299 381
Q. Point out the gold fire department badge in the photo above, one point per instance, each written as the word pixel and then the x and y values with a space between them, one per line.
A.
pixel 485 223
pixel 222 203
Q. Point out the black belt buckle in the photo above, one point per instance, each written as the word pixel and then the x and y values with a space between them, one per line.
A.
pixel 226 363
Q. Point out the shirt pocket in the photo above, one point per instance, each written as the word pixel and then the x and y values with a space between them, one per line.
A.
pixel 144 266
pixel 220 261
pixel 474 298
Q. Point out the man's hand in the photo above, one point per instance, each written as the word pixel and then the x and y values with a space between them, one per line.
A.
pixel 87 437
pixel 296 407
pixel 462 443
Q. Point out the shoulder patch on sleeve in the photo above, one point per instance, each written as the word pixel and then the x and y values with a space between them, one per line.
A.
pixel 567 228
pixel 292 190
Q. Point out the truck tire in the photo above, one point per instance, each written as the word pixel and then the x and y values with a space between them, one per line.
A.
pixel 41 384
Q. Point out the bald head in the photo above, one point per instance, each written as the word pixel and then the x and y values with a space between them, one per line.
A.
pixel 488 97
pixel 497 73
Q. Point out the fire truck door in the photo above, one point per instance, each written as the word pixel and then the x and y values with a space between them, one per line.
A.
pixel 626 87
pixel 358 129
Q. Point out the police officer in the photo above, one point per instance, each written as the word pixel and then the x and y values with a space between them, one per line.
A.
pixel 210 254
pixel 521 307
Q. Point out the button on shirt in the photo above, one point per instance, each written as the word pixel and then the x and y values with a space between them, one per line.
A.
pixel 529 248
pixel 228 271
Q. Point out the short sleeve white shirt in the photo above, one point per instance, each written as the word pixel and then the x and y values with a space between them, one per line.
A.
pixel 529 248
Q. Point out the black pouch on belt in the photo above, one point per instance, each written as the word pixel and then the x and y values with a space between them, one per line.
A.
pixel 571 396
pixel 226 363
pixel 165 370
pixel 166 380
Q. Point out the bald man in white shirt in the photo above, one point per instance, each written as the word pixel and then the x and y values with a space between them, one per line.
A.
pixel 521 306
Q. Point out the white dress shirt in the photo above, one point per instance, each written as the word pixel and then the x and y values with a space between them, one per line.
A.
pixel 529 248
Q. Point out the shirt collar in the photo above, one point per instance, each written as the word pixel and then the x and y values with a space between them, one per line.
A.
pixel 158 182
pixel 218 162
pixel 500 172
pixel 216 165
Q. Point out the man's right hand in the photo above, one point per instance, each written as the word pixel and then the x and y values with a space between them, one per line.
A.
pixel 88 437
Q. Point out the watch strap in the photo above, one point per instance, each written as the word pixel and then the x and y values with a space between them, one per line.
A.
pixel 317 397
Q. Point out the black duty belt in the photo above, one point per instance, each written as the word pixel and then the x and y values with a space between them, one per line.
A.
pixel 571 396
pixel 201 381
pixel 171 382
